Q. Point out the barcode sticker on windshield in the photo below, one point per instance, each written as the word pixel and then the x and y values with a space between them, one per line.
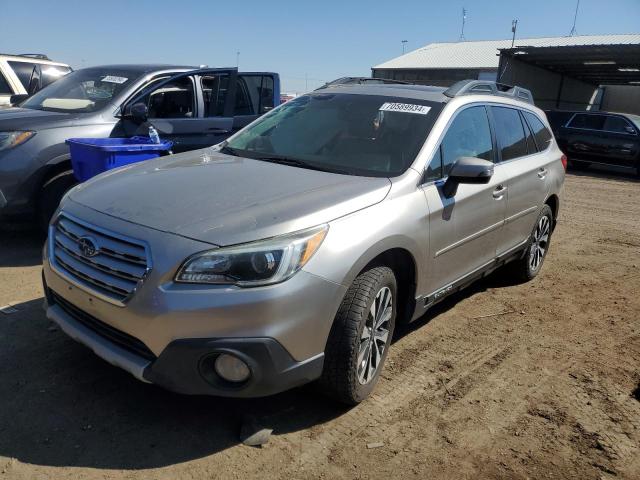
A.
pixel 405 107
pixel 114 79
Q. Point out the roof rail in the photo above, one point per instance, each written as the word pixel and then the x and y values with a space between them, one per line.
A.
pixel 39 56
pixel 468 87
pixel 362 81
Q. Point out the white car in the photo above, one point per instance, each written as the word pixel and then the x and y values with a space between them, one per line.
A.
pixel 26 74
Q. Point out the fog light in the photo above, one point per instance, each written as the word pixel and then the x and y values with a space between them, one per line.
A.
pixel 231 368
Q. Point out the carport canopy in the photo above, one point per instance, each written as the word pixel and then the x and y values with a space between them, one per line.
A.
pixel 594 64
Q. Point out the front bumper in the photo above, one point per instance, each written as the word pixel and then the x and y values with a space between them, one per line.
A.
pixel 186 365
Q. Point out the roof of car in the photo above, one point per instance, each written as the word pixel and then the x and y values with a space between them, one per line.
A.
pixel 419 92
pixel 145 67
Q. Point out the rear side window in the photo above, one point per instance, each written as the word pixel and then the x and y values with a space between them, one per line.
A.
pixel 531 144
pixel 541 134
pixel 468 135
pixel 510 133
pixel 23 71
pixel 5 89
pixel 591 122
pixel 616 124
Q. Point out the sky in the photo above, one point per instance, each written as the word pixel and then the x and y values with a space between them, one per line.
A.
pixel 307 43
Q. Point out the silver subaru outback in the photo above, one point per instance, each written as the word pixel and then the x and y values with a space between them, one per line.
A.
pixel 288 253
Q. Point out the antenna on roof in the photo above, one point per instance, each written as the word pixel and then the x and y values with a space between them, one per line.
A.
pixel 464 20
pixel 575 18
pixel 514 27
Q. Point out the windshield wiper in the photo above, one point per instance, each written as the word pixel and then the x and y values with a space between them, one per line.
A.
pixel 230 151
pixel 294 162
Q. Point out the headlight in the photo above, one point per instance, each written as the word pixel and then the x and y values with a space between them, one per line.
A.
pixel 13 139
pixel 254 264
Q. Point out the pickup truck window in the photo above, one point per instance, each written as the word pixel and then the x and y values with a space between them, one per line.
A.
pixel 254 95
pixel 172 100
pixel 590 122
pixel 214 92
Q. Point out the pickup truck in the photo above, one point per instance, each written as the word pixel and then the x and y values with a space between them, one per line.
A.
pixel 193 107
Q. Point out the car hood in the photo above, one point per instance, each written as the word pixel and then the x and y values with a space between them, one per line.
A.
pixel 14 118
pixel 225 200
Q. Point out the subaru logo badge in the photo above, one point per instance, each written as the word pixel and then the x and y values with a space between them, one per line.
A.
pixel 88 247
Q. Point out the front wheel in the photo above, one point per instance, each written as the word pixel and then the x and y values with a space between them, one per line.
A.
pixel 528 266
pixel 360 336
pixel 52 192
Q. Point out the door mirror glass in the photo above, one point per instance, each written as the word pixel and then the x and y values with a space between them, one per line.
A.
pixel 467 170
pixel 630 130
pixel 139 112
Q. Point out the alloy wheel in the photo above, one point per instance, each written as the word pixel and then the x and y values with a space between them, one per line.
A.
pixel 540 243
pixel 375 335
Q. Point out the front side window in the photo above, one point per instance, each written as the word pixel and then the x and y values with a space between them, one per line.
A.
pixel 509 132
pixel 174 99
pixel 354 134
pixel 468 135
pixel 86 90
pixel 541 134
pixel 590 122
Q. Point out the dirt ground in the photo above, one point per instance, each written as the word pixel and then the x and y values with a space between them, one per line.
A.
pixel 502 381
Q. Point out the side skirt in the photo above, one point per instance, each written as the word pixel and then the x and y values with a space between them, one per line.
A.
pixel 425 302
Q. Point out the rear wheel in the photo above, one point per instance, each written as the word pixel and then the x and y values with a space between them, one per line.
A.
pixel 360 336
pixel 52 192
pixel 528 266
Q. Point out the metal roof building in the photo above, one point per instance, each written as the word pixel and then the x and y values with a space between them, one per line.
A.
pixel 562 72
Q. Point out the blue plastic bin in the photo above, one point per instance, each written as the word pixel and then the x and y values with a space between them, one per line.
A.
pixel 91 156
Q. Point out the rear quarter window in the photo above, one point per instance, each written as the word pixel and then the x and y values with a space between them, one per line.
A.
pixel 541 134
pixel 589 122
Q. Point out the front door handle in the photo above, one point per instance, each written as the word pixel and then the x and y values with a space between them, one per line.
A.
pixel 218 130
pixel 499 192
pixel 542 173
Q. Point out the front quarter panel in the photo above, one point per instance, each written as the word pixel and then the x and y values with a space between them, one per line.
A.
pixel 353 241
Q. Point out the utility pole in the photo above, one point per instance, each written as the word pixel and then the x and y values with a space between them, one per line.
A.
pixel 514 27
pixel 575 18
pixel 464 20
pixel 238 59
pixel 404 42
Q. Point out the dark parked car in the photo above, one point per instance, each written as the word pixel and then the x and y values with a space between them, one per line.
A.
pixel 192 107
pixel 599 137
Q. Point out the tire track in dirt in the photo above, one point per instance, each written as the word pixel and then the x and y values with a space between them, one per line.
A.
pixel 394 394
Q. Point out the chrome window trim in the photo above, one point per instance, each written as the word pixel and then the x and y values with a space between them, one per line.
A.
pixel 79 284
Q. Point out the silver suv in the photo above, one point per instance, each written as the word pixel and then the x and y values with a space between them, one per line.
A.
pixel 289 252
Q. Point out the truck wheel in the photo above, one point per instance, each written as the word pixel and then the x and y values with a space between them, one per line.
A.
pixel 529 265
pixel 360 336
pixel 52 192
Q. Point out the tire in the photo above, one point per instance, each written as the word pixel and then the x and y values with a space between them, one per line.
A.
pixel 52 192
pixel 343 377
pixel 528 266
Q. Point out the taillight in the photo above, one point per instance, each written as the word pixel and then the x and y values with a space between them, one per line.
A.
pixel 563 159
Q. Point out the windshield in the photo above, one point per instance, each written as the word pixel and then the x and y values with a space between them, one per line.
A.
pixel 86 90
pixel 364 135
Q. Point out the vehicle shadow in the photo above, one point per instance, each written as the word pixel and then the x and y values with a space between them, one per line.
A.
pixel 609 172
pixel 20 246
pixel 64 406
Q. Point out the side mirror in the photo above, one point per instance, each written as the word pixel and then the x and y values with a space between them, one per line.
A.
pixel 16 99
pixel 139 112
pixel 630 130
pixel 467 170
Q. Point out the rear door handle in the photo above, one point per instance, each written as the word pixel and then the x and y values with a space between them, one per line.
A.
pixel 542 173
pixel 499 192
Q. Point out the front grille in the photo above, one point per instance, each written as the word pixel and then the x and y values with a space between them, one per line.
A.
pixel 113 269
pixel 123 340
